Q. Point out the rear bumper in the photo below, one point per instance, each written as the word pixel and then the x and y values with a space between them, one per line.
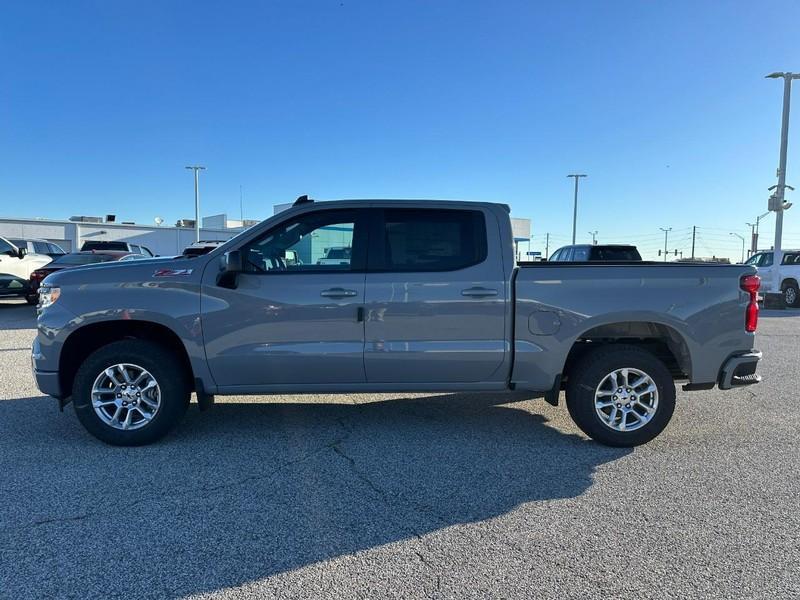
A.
pixel 740 370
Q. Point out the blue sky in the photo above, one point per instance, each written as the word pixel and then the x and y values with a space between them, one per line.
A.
pixel 663 104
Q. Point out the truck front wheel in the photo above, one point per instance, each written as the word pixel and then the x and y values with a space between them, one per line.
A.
pixel 620 395
pixel 130 392
pixel 791 294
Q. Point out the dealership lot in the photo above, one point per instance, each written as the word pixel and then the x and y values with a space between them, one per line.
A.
pixel 404 495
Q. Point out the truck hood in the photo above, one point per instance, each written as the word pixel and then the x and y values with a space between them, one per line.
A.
pixel 128 271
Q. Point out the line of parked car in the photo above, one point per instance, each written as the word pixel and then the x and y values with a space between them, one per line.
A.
pixel 24 263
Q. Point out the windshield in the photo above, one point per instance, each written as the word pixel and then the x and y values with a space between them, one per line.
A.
pixel 83 259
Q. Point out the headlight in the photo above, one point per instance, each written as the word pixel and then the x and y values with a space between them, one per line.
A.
pixel 48 296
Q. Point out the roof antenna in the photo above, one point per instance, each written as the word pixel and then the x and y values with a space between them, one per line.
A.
pixel 302 200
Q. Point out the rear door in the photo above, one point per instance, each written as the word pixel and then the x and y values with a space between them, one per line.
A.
pixel 291 318
pixel 435 297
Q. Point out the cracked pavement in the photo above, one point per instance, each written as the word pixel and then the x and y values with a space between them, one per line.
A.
pixel 403 495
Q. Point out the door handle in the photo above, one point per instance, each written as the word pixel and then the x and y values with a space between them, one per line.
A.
pixel 338 293
pixel 478 292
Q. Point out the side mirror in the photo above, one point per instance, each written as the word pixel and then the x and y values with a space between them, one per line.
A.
pixel 230 267
pixel 21 253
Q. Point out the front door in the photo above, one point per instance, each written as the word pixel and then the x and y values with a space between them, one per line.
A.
pixel 295 314
pixel 436 298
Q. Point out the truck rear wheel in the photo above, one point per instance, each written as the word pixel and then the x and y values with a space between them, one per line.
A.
pixel 130 393
pixel 620 395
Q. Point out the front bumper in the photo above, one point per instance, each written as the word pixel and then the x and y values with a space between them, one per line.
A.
pixel 740 370
pixel 48 383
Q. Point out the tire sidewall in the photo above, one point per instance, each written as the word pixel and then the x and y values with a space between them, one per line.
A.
pixel 590 371
pixel 160 363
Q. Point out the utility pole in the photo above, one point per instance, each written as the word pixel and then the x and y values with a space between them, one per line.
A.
pixel 754 233
pixel 780 189
pixel 547 246
pixel 594 237
pixel 196 169
pixel 694 236
pixel 575 205
pixel 741 238
pixel 666 235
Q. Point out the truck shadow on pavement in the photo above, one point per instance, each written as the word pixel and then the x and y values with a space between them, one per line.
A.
pixel 251 490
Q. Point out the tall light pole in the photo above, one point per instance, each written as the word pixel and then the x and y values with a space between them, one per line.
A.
pixel 754 233
pixel 594 237
pixel 196 169
pixel 741 238
pixel 666 236
pixel 780 189
pixel 575 206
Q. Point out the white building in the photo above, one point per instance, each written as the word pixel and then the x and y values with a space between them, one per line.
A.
pixel 70 235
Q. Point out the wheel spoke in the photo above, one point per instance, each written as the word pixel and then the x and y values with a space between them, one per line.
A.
pixel 149 402
pixel 124 373
pixel 145 415
pixel 112 376
pixel 100 403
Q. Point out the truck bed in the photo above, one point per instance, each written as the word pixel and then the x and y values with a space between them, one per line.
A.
pixel 698 307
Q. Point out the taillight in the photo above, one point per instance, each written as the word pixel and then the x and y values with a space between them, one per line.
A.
pixel 37 275
pixel 751 284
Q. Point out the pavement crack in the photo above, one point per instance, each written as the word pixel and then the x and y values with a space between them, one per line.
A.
pixel 189 491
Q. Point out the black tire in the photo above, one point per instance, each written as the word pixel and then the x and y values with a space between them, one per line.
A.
pixel 791 294
pixel 587 375
pixel 32 299
pixel 167 370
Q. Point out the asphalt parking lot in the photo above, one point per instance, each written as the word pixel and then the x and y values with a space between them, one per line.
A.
pixel 441 496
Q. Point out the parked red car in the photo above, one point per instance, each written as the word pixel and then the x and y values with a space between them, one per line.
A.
pixel 75 259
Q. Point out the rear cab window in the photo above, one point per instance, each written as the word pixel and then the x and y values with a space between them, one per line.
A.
pixel 426 240
pixel 606 253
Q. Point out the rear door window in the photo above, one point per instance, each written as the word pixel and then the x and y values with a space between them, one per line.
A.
pixel 40 248
pixel 425 240
pixel 792 258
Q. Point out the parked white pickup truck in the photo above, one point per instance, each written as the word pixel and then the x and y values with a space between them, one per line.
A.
pixel 788 274
pixel 16 266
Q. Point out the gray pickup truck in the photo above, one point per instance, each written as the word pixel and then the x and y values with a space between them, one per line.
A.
pixel 429 299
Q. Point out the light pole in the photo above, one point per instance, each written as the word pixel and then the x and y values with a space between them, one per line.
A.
pixel 780 189
pixel 575 205
pixel 196 169
pixel 666 236
pixel 754 233
pixel 741 238
pixel 594 237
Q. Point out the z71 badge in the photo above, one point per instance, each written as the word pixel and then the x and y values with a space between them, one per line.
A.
pixel 172 272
